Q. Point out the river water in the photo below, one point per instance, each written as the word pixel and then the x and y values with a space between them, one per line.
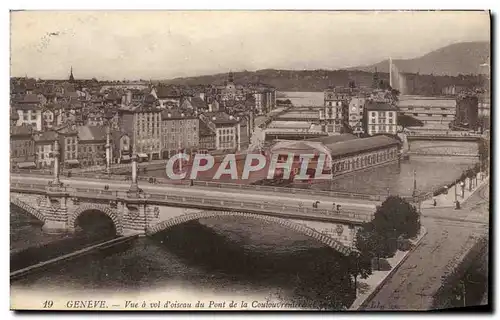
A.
pixel 230 257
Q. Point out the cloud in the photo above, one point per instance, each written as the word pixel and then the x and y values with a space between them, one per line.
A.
pixel 162 44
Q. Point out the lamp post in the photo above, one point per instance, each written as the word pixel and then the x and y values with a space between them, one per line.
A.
pixel 414 183
pixel 456 193
pixel 108 151
pixel 134 188
pixel 56 154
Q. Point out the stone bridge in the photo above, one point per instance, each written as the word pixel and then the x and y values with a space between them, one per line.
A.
pixel 60 207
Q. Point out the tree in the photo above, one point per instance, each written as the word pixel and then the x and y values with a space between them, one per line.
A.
pixel 358 266
pixel 396 217
pixel 372 244
pixel 484 153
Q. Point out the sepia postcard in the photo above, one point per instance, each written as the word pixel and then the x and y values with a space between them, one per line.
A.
pixel 250 160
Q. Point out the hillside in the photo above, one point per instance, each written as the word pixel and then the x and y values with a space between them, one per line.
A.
pixel 457 64
pixel 286 80
pixel 452 60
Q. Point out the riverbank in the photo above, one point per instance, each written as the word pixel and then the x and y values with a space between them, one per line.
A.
pixel 447 200
pixel 369 287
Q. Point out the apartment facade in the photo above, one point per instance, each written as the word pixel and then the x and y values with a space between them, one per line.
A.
pixel 381 117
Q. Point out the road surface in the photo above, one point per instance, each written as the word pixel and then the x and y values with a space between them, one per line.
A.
pixel 233 194
pixel 451 234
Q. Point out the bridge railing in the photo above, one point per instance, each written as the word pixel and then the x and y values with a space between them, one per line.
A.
pixel 272 207
pixel 371 197
pixel 236 186
pixel 209 201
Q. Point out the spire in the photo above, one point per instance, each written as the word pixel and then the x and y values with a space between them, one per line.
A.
pixel 71 78
pixel 230 77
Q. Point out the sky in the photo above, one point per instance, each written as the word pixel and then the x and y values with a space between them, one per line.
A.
pixel 117 45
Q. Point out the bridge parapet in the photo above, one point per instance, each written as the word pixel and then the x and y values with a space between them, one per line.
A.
pixel 138 212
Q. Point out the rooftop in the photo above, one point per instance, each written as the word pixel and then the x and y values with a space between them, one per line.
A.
pixel 47 136
pixel 334 139
pixel 91 133
pixel 419 101
pixel 289 125
pixel 21 130
pixel 380 106
pixel 298 147
pixel 221 117
pixel 359 145
pixel 176 115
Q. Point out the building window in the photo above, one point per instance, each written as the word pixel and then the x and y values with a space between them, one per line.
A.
pixel 373 114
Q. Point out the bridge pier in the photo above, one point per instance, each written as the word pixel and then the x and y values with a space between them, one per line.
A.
pixel 55 210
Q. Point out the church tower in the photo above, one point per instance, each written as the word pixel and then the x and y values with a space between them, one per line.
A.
pixel 230 77
pixel 71 78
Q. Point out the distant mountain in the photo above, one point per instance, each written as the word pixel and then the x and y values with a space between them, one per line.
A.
pixel 457 64
pixel 459 58
pixel 286 80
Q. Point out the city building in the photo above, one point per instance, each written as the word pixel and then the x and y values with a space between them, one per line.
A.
pixel 380 117
pixel 344 155
pixel 13 117
pixel 334 113
pixel 68 146
pixel 207 138
pixel 227 130
pixel 29 114
pixel 484 104
pixel 143 125
pixel 358 154
pixel 195 104
pixel 92 146
pixel 168 97
pixel 44 146
pixel 51 116
pixel 355 111
pixel 432 111
pixel 180 132
pixel 467 112
pixel 121 146
pixel 264 99
pixel 22 147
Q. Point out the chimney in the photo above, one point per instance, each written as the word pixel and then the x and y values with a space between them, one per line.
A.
pixel 210 108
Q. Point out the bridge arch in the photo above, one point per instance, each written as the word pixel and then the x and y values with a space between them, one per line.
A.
pixel 95 207
pixel 28 208
pixel 300 228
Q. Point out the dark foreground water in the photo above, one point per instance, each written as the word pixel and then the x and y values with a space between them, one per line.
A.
pixel 230 257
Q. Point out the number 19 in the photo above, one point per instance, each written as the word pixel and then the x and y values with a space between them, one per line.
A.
pixel 48 304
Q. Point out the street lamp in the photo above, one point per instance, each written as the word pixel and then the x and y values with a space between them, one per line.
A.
pixel 414 182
